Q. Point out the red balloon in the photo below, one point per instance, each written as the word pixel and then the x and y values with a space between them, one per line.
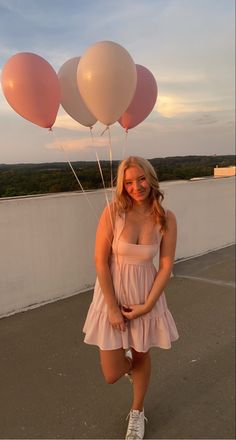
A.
pixel 143 101
pixel 32 89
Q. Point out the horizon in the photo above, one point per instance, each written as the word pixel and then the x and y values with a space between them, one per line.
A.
pixel 118 160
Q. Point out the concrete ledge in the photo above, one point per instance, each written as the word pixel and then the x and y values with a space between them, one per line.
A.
pixel 47 242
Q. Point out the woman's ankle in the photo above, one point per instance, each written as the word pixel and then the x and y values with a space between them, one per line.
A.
pixel 137 407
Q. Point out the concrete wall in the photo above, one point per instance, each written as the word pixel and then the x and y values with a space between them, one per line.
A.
pixel 47 242
pixel 205 211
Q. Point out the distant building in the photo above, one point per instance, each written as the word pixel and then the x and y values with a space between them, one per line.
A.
pixel 225 171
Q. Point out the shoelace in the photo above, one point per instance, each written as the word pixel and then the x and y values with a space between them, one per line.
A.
pixel 134 422
pixel 135 415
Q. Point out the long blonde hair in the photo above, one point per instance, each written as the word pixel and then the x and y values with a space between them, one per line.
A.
pixel 124 202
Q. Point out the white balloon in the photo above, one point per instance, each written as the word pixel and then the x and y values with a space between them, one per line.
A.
pixel 107 80
pixel 71 99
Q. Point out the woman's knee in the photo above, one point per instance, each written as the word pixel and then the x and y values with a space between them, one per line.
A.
pixel 113 364
pixel 111 377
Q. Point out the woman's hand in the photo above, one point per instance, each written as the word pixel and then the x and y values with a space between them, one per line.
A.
pixel 133 311
pixel 116 319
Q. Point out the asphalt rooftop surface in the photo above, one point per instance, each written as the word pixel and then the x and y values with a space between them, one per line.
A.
pixel 51 386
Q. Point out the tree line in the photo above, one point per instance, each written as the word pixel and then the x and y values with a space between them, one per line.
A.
pixel 43 178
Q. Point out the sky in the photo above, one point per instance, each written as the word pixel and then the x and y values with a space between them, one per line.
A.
pixel 188 45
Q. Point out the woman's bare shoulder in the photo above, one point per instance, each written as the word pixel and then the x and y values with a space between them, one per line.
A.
pixel 170 215
pixel 109 213
pixel 171 223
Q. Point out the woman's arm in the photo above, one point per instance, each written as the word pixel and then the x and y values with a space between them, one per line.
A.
pixel 167 254
pixel 104 237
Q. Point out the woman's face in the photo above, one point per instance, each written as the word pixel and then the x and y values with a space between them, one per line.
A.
pixel 136 184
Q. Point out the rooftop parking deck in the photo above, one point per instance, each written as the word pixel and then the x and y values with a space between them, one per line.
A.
pixel 52 387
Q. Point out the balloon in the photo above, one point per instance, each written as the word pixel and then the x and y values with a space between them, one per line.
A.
pixel 143 101
pixel 107 80
pixel 31 87
pixel 71 99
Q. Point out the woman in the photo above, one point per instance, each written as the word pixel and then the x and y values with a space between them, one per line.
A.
pixel 129 314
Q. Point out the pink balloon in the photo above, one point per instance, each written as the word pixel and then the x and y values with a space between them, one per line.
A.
pixel 107 79
pixel 143 101
pixel 71 99
pixel 31 87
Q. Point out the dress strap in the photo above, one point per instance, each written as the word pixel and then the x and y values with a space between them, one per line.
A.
pixel 119 225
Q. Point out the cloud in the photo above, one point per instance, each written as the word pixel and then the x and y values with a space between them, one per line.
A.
pixel 170 106
pixel 68 123
pixel 71 144
pixel 206 118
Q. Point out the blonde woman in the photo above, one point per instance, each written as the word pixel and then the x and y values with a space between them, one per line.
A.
pixel 129 313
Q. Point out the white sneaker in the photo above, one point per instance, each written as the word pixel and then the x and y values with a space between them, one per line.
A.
pixel 128 355
pixel 136 426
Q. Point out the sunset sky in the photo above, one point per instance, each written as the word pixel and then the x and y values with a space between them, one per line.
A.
pixel 188 45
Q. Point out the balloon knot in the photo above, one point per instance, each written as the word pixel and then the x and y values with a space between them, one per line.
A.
pixel 104 131
pixel 50 129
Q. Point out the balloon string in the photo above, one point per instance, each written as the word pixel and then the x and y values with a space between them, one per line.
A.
pixel 80 185
pixel 110 157
pixel 101 173
pixel 91 134
pixel 104 131
pixel 121 288
pixel 103 182
pixel 108 205
pixel 113 226
pixel 105 190
pixel 110 154
pixel 111 161
pixel 91 206
pixel 100 170
pixel 125 144
pixel 113 206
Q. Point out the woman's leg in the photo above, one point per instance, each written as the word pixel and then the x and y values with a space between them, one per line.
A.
pixel 114 364
pixel 141 373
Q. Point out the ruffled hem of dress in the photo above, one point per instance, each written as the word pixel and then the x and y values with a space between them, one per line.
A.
pixel 141 333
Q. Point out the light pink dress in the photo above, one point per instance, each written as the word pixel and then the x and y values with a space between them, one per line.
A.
pixel 133 273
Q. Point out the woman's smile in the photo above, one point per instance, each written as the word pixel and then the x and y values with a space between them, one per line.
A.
pixel 136 183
